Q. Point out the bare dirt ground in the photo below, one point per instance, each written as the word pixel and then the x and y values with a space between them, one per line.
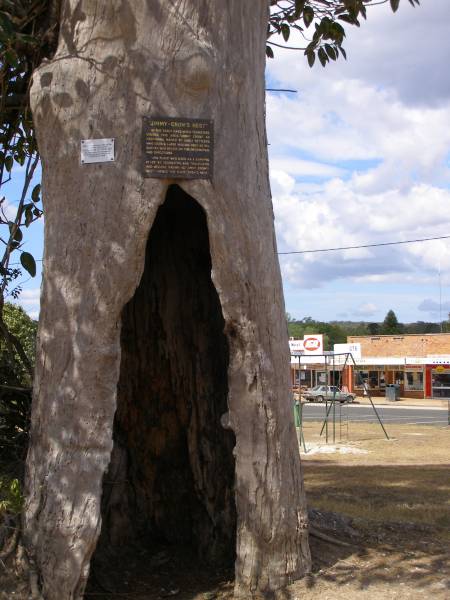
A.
pixel 396 494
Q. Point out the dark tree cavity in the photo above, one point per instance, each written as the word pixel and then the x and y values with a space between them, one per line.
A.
pixel 171 475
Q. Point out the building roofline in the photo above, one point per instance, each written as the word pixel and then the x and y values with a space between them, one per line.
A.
pixel 397 335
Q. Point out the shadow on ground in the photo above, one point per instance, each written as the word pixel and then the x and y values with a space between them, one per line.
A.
pixel 414 494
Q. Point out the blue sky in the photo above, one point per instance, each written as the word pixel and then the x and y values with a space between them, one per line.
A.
pixel 33 242
pixel 359 155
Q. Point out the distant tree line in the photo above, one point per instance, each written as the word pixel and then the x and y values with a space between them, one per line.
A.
pixel 336 332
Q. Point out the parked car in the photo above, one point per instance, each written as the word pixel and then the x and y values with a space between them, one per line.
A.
pixel 320 393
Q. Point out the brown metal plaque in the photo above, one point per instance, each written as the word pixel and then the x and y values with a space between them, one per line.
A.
pixel 178 148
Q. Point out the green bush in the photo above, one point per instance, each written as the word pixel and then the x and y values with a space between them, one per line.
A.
pixel 24 329
pixel 11 497
pixel 15 406
pixel 15 386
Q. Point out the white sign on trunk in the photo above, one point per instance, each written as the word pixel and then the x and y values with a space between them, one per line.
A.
pixel 97 151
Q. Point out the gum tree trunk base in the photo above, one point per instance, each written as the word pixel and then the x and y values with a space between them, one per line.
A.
pixel 162 407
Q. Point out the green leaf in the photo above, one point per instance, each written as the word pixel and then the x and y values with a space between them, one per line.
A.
pixel 9 161
pixel 299 6
pixel 322 57
pixel 28 214
pixel 311 56
pixel 395 4
pixel 349 19
pixel 269 52
pixel 308 15
pixel 35 194
pixel 28 263
pixel 338 31
pixel 20 158
pixel 18 235
pixel 285 31
pixel 330 51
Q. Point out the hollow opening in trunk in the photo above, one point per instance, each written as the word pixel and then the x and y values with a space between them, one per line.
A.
pixel 170 483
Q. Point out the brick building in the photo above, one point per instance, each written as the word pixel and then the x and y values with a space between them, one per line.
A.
pixel 418 363
pixel 420 344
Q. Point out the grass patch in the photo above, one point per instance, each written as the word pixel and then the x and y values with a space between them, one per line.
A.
pixel 406 479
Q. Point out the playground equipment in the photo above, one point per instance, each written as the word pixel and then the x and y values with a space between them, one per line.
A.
pixel 334 416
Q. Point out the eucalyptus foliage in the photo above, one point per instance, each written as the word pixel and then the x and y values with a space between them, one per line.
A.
pixel 320 24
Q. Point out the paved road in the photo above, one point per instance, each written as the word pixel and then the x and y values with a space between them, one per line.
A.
pixel 388 414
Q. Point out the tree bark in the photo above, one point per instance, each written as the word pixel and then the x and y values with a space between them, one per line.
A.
pixel 116 63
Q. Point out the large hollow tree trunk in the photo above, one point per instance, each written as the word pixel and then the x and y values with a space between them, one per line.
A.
pixel 162 338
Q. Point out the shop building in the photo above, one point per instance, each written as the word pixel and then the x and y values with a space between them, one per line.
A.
pixel 418 363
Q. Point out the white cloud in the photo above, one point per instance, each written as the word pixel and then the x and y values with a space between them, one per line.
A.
pixel 9 209
pixel 435 308
pixel 429 305
pixel 368 309
pixel 29 300
pixel 371 138
pixel 395 145
pixel 359 110
pixel 339 215
pixel 281 182
pixel 299 167
pixel 30 296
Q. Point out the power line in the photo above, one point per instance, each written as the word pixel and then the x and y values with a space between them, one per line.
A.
pixel 280 90
pixel 441 237
pixel 430 239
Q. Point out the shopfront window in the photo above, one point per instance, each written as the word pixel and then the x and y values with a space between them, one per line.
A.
pixel 305 378
pixel 336 378
pixel 414 381
pixel 361 378
pixel 374 379
pixel 368 379
pixel 399 377
pixel 321 378
pixel 441 384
